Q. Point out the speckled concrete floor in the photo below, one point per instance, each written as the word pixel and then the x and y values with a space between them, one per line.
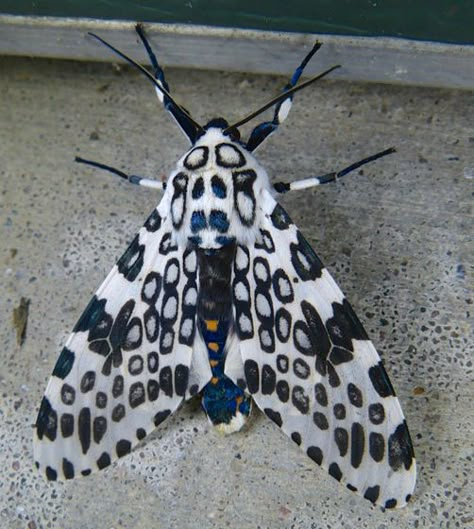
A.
pixel 397 237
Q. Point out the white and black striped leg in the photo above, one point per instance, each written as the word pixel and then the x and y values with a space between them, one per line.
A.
pixel 133 179
pixel 282 109
pixel 283 187
pixel 180 114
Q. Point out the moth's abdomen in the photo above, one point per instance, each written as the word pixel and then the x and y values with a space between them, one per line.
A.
pixel 214 194
pixel 224 402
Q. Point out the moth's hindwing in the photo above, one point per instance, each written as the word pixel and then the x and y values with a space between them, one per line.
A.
pixel 309 365
pixel 127 365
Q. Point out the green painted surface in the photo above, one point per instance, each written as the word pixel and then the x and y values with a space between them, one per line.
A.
pixel 438 20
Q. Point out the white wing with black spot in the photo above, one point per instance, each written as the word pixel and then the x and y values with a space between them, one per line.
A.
pixel 309 365
pixel 129 362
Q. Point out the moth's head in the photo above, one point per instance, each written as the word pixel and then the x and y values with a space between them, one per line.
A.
pixel 223 125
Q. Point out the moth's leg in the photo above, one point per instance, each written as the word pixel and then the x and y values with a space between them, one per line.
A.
pixel 282 109
pixel 283 187
pixel 133 179
pixel 179 113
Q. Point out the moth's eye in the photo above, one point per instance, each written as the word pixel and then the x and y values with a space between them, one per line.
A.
pixel 234 134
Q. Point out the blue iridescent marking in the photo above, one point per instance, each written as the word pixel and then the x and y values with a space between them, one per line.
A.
pixel 218 187
pixel 221 398
pixel 219 221
pixel 223 240
pixel 198 221
pixel 195 239
pixel 198 189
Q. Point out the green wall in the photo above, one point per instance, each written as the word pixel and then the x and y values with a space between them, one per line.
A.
pixel 438 20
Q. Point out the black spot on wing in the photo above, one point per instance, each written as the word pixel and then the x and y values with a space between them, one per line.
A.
pixel 119 335
pixel 315 453
pixel 101 400
pixel 136 394
pixel 355 395
pixel 310 337
pixel 103 461
pixel 340 356
pixel 252 372
pixel 151 323
pixel 131 262
pixel 400 449
pixel 67 424
pixel 152 390
pixel 261 272
pixel 135 365
pixel 47 421
pixel 280 218
pixel 300 400
pixel 339 411
pixel 91 314
pixel 84 429
pixel 344 326
pixel 274 416
pixel 376 413
pixel 68 394
pixel 296 437
pixel 166 245
pixel 64 364
pixel 153 222
pixel 282 286
pixel 151 288
pixel 51 474
pixel 117 386
pixel 341 437
pixel 218 187
pixel 118 412
pixel 380 380
pixel 301 369
pixel 68 468
pixel 265 242
pixel 166 381
pixel 376 446
pixel 161 416
pixel 305 262
pixel 198 188
pixel 335 471
pixel 99 427
pixel 123 447
pixel 268 380
pixel 153 362
pixel 283 390
pixel 282 363
pixel 283 324
pixel 140 433
pixel 320 420
pixel 87 381
pixel 320 394
pixel 372 493
pixel 357 444
pixel 181 376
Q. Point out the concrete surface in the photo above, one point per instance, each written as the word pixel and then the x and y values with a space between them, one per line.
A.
pixel 398 239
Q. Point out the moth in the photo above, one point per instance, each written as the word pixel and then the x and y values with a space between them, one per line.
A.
pixel 220 296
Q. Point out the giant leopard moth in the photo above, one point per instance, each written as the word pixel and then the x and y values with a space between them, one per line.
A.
pixel 219 295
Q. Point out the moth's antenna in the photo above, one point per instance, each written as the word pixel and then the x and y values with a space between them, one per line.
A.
pixel 281 97
pixel 148 74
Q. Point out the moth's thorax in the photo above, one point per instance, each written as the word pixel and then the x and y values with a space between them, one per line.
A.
pixel 214 192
